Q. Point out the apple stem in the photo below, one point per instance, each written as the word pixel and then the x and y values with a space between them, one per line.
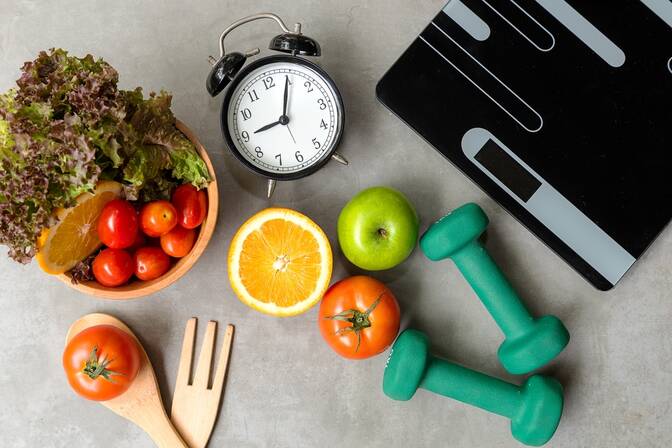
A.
pixel 382 233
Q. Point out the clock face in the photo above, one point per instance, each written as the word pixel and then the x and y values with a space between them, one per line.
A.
pixel 283 137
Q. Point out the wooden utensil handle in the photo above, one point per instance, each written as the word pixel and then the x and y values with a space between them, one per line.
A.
pixel 163 433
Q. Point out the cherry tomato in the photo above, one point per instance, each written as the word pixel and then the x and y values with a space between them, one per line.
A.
pixel 118 224
pixel 359 317
pixel 150 263
pixel 158 218
pixel 113 267
pixel 101 362
pixel 191 205
pixel 178 242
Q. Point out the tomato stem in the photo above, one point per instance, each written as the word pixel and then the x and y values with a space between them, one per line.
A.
pixel 96 367
pixel 358 319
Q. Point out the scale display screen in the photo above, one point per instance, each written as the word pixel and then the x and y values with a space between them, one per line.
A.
pixel 507 170
pixel 560 110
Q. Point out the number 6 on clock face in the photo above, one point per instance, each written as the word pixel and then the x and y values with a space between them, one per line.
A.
pixel 283 117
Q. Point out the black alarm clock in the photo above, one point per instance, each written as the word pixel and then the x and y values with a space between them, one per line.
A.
pixel 282 115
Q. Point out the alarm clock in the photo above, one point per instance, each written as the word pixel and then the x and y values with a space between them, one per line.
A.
pixel 282 115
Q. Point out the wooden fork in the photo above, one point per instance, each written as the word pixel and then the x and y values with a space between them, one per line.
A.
pixel 196 404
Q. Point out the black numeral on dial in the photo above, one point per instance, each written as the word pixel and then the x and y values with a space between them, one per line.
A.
pixel 323 125
pixel 322 104
pixel 269 82
pixel 246 136
pixel 279 157
pixel 316 144
pixel 246 113
pixel 259 152
pixel 308 86
pixel 253 95
pixel 299 157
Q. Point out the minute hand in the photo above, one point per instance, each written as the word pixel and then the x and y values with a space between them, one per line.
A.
pixel 268 126
pixel 284 99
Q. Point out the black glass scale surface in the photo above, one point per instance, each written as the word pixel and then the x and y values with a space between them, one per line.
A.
pixel 549 120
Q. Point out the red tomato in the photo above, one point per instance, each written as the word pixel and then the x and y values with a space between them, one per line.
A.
pixel 178 242
pixel 359 317
pixel 118 224
pixel 113 267
pixel 150 263
pixel 101 362
pixel 191 205
pixel 158 218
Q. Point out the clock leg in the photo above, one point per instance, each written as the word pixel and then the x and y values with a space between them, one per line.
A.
pixel 339 158
pixel 270 188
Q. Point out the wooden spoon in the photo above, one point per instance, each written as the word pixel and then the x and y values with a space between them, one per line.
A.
pixel 141 403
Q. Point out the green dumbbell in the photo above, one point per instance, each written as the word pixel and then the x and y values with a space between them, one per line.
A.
pixel 530 343
pixel 534 408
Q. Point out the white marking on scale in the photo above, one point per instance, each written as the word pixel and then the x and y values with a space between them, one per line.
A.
pixel 520 32
pixel 584 30
pixel 467 19
pixel 558 214
pixel 541 120
pixel 661 8
pixel 669 65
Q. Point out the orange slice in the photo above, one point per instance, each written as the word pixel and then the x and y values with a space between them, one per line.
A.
pixel 75 237
pixel 280 262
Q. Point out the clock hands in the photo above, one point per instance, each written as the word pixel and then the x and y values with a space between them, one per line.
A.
pixel 290 133
pixel 268 126
pixel 284 101
pixel 284 119
pixel 284 109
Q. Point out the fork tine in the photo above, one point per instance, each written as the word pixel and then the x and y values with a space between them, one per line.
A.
pixel 187 355
pixel 203 368
pixel 223 363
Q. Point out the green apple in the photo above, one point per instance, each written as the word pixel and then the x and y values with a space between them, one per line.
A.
pixel 378 228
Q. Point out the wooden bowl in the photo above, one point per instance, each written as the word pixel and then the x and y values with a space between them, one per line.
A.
pixel 138 288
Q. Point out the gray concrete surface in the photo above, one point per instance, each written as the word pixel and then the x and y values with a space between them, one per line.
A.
pixel 286 388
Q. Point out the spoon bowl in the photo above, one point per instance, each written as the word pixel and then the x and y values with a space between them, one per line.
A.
pixel 141 403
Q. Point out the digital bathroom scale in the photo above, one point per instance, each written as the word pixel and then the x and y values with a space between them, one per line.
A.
pixel 560 110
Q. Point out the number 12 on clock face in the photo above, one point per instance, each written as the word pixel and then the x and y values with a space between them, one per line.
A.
pixel 284 117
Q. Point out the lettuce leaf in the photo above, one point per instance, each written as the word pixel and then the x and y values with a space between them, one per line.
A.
pixel 189 167
pixel 7 110
pixel 146 164
pixel 7 143
pixel 103 137
pixel 155 122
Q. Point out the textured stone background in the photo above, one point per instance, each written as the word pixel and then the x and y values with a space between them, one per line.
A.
pixel 286 388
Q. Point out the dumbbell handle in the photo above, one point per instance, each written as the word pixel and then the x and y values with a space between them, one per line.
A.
pixel 492 287
pixel 468 386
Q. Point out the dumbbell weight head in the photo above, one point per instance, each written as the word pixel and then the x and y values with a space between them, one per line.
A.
pixel 452 232
pixel 540 410
pixel 543 340
pixel 406 365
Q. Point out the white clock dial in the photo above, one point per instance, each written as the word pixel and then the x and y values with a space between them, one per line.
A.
pixel 278 141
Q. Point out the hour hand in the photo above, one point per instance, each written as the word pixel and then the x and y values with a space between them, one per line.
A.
pixel 268 126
